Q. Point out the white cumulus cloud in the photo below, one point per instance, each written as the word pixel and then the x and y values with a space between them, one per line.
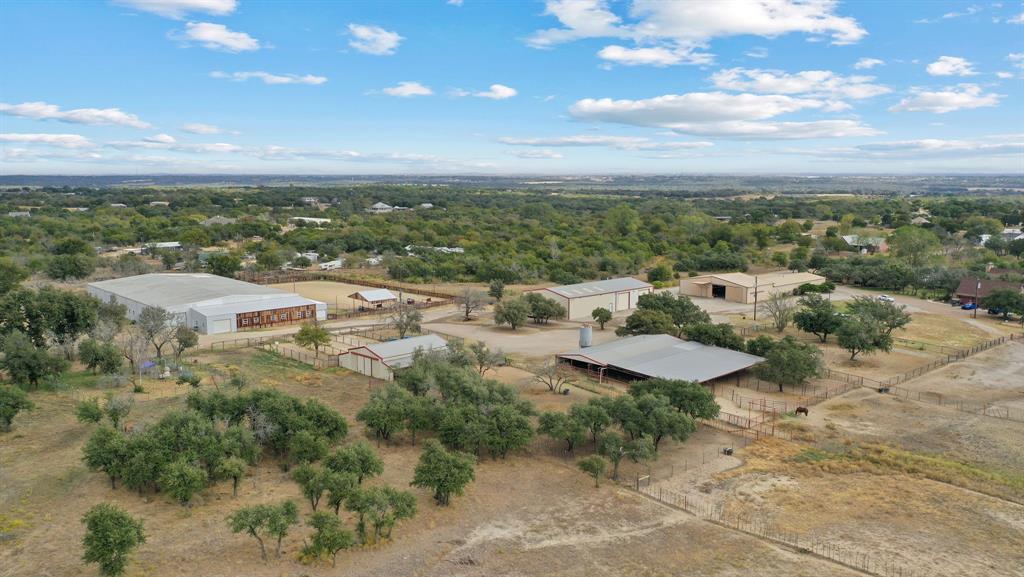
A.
pixel 218 37
pixel 542 154
pixel 177 9
pixel 497 92
pixel 676 31
pixel 945 100
pixel 61 140
pixel 408 89
pixel 951 66
pixel 200 128
pixel 809 82
pixel 720 114
pixel 373 39
pixel 610 141
pixel 269 78
pixel 46 111
pixel 868 63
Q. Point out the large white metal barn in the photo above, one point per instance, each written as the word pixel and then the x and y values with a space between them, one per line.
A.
pixel 209 303
pixel 616 294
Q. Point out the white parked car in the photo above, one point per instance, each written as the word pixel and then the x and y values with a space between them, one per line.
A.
pixel 886 299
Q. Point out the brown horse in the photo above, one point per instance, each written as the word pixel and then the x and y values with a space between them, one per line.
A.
pixel 803 411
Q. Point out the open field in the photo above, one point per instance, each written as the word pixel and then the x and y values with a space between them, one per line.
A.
pixel 992 377
pixel 335 294
pixel 529 514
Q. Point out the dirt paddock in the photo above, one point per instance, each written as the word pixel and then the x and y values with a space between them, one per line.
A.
pixel 335 294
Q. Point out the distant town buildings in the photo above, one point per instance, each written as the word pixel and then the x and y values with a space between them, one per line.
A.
pixel 218 220
pixel 380 208
pixel 310 220
pixel 866 244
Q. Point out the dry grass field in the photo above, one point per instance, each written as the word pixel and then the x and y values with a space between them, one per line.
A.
pixel 335 294
pixel 529 514
pixel 913 483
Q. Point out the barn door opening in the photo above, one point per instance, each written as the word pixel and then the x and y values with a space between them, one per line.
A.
pixel 718 291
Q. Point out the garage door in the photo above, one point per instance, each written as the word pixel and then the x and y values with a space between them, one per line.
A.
pixel 622 301
pixel 221 326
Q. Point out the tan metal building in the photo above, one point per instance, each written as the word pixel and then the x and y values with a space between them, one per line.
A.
pixel 616 294
pixel 738 287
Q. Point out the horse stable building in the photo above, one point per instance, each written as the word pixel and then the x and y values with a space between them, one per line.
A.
pixel 740 287
pixel 208 303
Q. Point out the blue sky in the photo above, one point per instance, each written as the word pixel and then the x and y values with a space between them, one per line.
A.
pixel 559 87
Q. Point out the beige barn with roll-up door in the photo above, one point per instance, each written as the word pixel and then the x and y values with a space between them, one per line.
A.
pixel 580 300
pixel 739 287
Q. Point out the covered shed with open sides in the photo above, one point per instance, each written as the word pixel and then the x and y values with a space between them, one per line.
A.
pixel 659 356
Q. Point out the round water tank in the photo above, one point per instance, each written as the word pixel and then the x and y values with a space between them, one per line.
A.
pixel 586 336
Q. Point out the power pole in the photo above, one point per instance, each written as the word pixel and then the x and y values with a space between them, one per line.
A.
pixel 977 288
pixel 755 298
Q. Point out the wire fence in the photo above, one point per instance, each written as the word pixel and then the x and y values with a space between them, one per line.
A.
pixel 873 563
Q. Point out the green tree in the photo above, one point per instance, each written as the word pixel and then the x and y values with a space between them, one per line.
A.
pixel 156 325
pixel 182 339
pixel 914 245
pixel 182 480
pixel 562 427
pixel 314 481
pixel 862 334
pixel 680 309
pixel 406 319
pixel 385 412
pixel 601 316
pixel 445 472
pixel 358 459
pixel 107 451
pixel 818 317
pixel 1006 301
pixel 313 336
pixel 380 508
pixel 329 537
pixel 890 316
pixel 282 518
pixel 647 322
pixel 111 534
pixel 511 312
pixel 70 266
pixel 28 365
pixel 224 264
pixel 265 521
pixel 543 309
pixel 715 335
pixel 613 447
pixel 593 416
pixel 660 273
pixel 688 397
pixel 594 466
pixel 484 358
pixel 12 401
pixel 102 357
pixel 789 362
pixel 233 468
pixel 89 411
pixel 68 316
pixel 307 447
pixel 422 414
pixel 496 290
pixel 117 408
pixel 11 276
